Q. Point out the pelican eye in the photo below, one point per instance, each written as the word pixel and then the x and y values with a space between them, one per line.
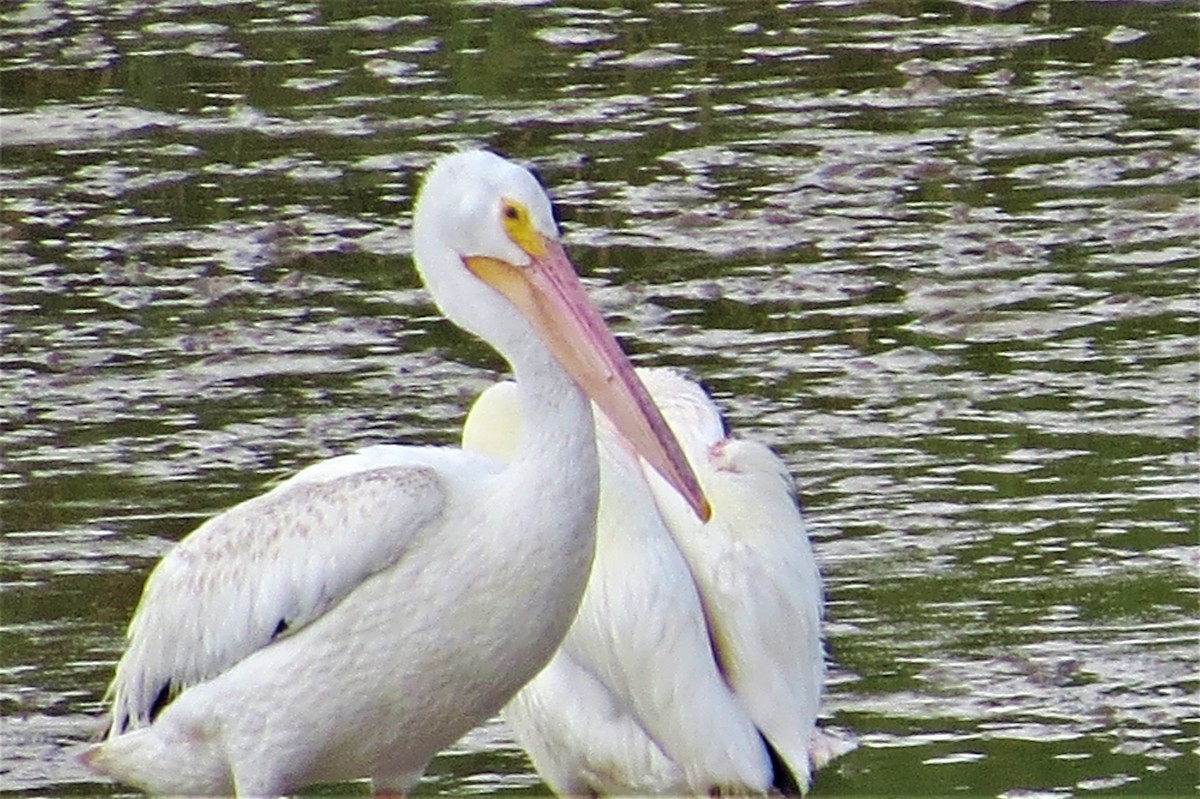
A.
pixel 520 230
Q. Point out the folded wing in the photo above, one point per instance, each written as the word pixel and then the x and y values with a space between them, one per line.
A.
pixel 262 570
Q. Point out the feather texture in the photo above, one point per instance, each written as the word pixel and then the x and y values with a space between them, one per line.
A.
pixel 261 570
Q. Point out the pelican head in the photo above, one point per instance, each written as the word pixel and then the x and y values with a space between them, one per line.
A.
pixel 487 247
pixel 476 203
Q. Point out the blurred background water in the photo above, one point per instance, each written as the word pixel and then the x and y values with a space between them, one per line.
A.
pixel 941 255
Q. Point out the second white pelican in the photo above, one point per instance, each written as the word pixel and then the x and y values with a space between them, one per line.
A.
pixel 695 664
pixel 369 611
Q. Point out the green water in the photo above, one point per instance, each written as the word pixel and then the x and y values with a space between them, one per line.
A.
pixel 942 256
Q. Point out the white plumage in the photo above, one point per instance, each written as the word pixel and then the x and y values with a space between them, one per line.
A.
pixel 695 643
pixel 370 610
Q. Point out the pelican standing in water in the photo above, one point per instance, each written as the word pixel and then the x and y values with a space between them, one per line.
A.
pixel 370 610
pixel 695 664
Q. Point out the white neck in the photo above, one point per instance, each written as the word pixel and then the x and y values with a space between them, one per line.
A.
pixel 553 481
pixel 556 462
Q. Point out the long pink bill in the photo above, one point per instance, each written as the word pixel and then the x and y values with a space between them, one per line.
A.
pixel 549 294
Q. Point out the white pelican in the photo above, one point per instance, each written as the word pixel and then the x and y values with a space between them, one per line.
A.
pixel 695 664
pixel 370 610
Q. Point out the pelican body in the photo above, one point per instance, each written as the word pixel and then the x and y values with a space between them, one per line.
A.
pixel 369 611
pixel 695 664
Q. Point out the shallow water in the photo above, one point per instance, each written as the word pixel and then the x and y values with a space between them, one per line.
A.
pixel 942 256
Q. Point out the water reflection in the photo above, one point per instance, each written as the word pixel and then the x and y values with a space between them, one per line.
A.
pixel 941 255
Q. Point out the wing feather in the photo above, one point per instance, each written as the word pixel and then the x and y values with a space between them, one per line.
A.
pixel 582 738
pixel 754 568
pixel 261 570
pixel 761 589
pixel 640 633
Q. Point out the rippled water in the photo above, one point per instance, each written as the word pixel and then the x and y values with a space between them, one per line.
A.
pixel 943 256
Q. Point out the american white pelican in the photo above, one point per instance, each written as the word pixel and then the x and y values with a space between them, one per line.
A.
pixel 370 610
pixel 695 663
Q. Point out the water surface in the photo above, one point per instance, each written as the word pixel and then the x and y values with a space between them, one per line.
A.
pixel 942 256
